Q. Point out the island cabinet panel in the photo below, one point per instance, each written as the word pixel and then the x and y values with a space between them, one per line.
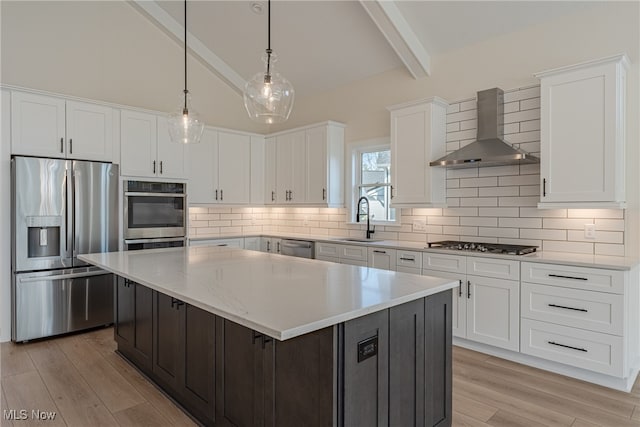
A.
pixel 184 354
pixel 366 367
pixel 262 382
pixel 133 331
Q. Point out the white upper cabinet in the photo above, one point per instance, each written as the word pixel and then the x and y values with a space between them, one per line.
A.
pixel 583 134
pixel 308 167
pixel 270 189
pixel 138 144
pixel 220 169
pixel 54 127
pixel 418 136
pixel 146 149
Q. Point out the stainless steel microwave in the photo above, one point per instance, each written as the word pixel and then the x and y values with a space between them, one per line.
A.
pixel 154 210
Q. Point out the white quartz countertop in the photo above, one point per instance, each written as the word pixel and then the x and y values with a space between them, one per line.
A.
pixel 562 258
pixel 283 297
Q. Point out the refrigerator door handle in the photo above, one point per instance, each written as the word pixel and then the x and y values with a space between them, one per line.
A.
pixel 61 276
pixel 68 176
pixel 74 235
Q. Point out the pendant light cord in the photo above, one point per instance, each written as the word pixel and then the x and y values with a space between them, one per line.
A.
pixel 185 110
pixel 267 77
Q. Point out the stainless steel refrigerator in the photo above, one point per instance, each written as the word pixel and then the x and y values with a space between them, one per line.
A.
pixel 61 208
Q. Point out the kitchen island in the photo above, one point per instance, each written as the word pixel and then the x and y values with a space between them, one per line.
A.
pixel 246 338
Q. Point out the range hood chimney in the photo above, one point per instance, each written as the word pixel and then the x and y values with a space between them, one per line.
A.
pixel 489 149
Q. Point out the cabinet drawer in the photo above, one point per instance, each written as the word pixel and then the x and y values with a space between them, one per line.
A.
pixel 595 279
pixel 491 267
pixel 595 311
pixel 409 259
pixel 327 250
pixel 355 253
pixel 576 347
pixel 442 262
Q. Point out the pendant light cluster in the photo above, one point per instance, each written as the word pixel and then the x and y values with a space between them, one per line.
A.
pixel 185 126
pixel 268 96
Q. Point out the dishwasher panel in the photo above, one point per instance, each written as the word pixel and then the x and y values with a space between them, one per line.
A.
pixel 298 248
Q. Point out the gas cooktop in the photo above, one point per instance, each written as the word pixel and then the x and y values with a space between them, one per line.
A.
pixel 491 248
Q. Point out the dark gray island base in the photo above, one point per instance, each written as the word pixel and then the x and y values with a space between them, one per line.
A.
pixel 388 368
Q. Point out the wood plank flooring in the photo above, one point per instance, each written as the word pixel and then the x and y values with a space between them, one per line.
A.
pixel 82 380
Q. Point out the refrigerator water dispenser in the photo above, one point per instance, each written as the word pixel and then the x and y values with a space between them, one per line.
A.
pixel 43 236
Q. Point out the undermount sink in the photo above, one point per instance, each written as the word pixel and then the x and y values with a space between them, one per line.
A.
pixel 360 240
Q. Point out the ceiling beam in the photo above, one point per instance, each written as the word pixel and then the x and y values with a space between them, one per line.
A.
pixel 391 23
pixel 175 29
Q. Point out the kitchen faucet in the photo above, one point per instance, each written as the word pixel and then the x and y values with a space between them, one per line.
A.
pixel 370 230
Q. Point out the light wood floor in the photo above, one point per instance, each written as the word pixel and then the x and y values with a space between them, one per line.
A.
pixel 81 379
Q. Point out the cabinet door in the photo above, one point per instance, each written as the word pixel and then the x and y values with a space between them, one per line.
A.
pixel 124 314
pixel 197 385
pixel 138 142
pixel 171 155
pixel 37 125
pixel 493 311
pixel 284 167
pixel 143 342
pixel 316 165
pixel 234 168
pixel 298 168
pixel 89 131
pixel 239 398
pixel 270 189
pixel 417 137
pixel 459 302
pixel 168 340
pixel 581 125
pixel 384 259
pixel 202 172
pixel 299 380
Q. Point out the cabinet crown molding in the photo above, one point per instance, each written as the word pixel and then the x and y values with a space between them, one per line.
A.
pixel 431 100
pixel 622 58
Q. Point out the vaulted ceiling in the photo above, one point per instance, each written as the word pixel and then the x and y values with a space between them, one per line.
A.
pixel 324 44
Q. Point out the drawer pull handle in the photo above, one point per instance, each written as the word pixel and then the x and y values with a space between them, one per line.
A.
pixel 560 276
pixel 468 289
pixel 568 308
pixel 407 259
pixel 380 252
pixel 460 288
pixel 567 346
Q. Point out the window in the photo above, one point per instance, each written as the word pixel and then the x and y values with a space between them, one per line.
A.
pixel 372 179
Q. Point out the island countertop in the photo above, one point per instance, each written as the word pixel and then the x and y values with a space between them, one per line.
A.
pixel 282 297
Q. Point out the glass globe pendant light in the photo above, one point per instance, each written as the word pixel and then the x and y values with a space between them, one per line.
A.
pixel 268 96
pixel 185 126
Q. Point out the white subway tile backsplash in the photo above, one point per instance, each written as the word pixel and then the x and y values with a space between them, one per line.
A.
pixel 462 173
pixel 467 124
pixel 522 93
pixel 530 125
pixel 608 249
pixel 573 247
pixel 511 107
pixel 461 135
pixel 595 213
pixel 565 223
pixel 453 202
pixel 445 220
pixel 426 211
pixel 498 191
pixel 470 104
pixel 461 212
pixel 521 222
pixel 543 234
pixel 460 231
pixel 530 190
pixel 479 201
pixel 462 115
pixel 453 108
pixel 489 181
pixel 543 213
pixel 499 170
pixel 530 104
pixel 518 201
pixel 519 138
pixel 519 180
pixel 479 221
pixel 521 116
pixel 462 192
pixel 511 128
pixel 453 127
pixel 531 148
pixel 601 236
pixel 527 242
pixel 609 224
pixel 498 232
pixel 499 212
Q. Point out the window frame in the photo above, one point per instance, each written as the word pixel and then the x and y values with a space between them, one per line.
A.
pixel 353 177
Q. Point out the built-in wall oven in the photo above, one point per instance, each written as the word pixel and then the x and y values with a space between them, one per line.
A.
pixel 155 214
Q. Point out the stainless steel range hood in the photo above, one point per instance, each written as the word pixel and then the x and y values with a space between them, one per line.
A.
pixel 489 149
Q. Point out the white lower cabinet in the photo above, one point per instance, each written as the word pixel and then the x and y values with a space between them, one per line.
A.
pixel 486 306
pixel 252 243
pixel 579 316
pixel 382 258
pixel 343 254
pixel 493 311
pixel 270 245
pixel 232 242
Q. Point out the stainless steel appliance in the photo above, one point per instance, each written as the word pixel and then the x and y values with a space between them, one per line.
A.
pixel 154 210
pixel 61 208
pixel 298 248
pixel 138 244
pixel 492 248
